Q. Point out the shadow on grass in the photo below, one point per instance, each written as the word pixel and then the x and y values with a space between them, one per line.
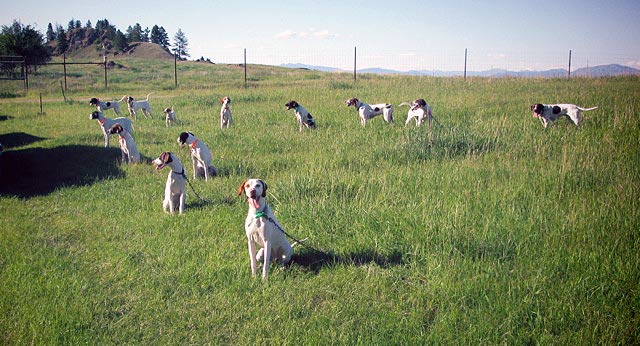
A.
pixel 18 139
pixel 39 171
pixel 314 260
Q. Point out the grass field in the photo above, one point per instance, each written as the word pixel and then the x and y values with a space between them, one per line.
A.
pixel 484 229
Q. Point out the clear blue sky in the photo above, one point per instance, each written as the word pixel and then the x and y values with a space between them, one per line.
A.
pixel 399 34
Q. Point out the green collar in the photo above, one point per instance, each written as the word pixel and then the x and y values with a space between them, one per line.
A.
pixel 259 214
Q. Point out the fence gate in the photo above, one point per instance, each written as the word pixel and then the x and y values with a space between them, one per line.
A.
pixel 14 68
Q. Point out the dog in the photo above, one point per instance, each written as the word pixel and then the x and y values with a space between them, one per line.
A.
pixel 106 123
pixel 175 191
pixel 200 155
pixel 134 106
pixel 367 111
pixel 103 106
pixel 225 113
pixel 303 116
pixel 262 229
pixel 550 113
pixel 170 117
pixel 127 143
pixel 418 110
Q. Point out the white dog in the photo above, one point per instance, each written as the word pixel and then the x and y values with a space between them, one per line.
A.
pixel 225 113
pixel 106 123
pixel 200 155
pixel 175 191
pixel 303 116
pixel 134 106
pixel 127 144
pixel 170 116
pixel 367 111
pixel 549 113
pixel 103 106
pixel 262 229
pixel 418 110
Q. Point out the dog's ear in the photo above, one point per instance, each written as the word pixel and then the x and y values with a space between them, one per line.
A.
pixel 222 100
pixel 183 137
pixel 241 187
pixel 264 188
pixel 165 157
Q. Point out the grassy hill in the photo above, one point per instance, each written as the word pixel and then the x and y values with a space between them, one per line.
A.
pixel 484 229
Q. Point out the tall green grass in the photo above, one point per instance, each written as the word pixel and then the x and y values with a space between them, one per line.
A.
pixel 483 229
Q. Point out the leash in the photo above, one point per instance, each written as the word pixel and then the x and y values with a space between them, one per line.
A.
pixel 262 214
pixel 192 189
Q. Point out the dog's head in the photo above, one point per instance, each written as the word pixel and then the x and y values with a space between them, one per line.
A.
pixel 94 101
pixel 168 111
pixel 225 100
pixel 163 160
pixel 184 137
pixel 352 102
pixel 129 99
pixel 291 104
pixel 419 103
pixel 537 109
pixel 254 189
pixel 95 115
pixel 116 128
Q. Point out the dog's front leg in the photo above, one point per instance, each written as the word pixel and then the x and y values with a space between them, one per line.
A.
pixel 266 259
pixel 252 256
pixel 183 197
pixel 195 165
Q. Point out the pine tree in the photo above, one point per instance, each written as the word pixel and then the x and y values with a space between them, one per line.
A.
pixel 120 41
pixel 88 25
pixel 61 38
pixel 159 36
pixel 51 35
pixel 180 44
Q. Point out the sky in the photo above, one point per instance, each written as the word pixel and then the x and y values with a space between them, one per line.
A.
pixel 401 34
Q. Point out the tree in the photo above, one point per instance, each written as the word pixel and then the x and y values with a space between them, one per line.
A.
pixel 88 25
pixel 159 36
pixel 78 24
pixel 180 44
pixel 63 43
pixel 134 34
pixel 51 35
pixel 120 41
pixel 25 41
pixel 71 25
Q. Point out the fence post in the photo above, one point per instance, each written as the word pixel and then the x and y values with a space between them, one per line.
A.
pixel 175 68
pixel 465 64
pixel 245 67
pixel 64 65
pixel 569 73
pixel 104 62
pixel 355 58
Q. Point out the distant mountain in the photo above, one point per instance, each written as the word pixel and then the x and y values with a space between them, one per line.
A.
pixel 595 71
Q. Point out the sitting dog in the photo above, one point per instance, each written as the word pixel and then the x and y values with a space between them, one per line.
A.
pixel 134 106
pixel 200 155
pixel 418 110
pixel 106 123
pixel 175 191
pixel 127 143
pixel 103 106
pixel 549 113
pixel 262 229
pixel 303 116
pixel 170 117
pixel 369 111
pixel 225 113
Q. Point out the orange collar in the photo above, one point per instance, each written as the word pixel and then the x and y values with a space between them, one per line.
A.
pixel 120 137
pixel 102 121
pixel 193 145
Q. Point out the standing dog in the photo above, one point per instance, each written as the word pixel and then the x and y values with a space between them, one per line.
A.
pixel 127 143
pixel 419 110
pixel 200 155
pixel 134 106
pixel 367 111
pixel 103 106
pixel 549 113
pixel 175 191
pixel 225 113
pixel 106 123
pixel 262 229
pixel 303 116
pixel 170 116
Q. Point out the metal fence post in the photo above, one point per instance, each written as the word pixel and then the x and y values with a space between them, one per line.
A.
pixel 465 64
pixel 355 58
pixel 569 73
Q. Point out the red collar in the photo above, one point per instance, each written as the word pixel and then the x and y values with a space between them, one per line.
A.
pixel 102 121
pixel 120 137
pixel 193 145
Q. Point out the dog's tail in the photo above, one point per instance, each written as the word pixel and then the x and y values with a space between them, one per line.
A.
pixel 587 109
pixel 301 241
pixel 148 96
pixel 122 99
pixel 404 104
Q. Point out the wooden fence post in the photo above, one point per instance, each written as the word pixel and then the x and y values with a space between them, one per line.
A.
pixel 355 58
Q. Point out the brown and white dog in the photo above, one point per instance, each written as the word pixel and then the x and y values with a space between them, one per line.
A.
pixel 302 114
pixel 134 106
pixel 103 106
pixel 419 110
pixel 106 123
pixel 225 113
pixel 367 111
pixel 128 145
pixel 175 191
pixel 549 113
pixel 262 229
pixel 170 117
pixel 200 155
